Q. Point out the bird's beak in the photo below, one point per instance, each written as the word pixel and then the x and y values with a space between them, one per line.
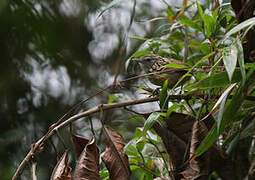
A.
pixel 136 59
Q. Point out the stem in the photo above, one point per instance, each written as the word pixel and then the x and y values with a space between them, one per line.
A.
pixel 38 146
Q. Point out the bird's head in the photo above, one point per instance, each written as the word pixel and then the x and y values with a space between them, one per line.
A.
pixel 147 60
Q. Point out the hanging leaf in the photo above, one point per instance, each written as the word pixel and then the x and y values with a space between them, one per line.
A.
pixel 240 58
pixel 186 21
pixel 175 65
pixel 222 100
pixel 210 24
pixel 219 80
pixel 233 144
pixel 200 10
pixel 79 144
pixel 239 27
pixel 197 168
pixel 230 59
pixel 228 117
pixel 109 6
pixel 114 157
pixel 174 146
pixel 171 109
pixel 87 166
pixel 249 130
pixel 62 171
pixel 150 121
pixel 220 114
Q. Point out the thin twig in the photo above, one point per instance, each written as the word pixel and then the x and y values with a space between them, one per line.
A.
pixel 54 147
pixel 145 168
pixel 61 139
pixel 34 176
pixel 39 144
pixel 132 111
pixel 186 47
pixel 161 154
pixel 91 126
pixel 140 153
pixel 200 109
pixel 191 108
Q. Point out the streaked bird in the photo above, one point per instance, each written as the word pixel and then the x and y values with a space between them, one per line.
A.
pixel 152 63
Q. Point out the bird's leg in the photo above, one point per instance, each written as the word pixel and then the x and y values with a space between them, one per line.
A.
pixel 154 92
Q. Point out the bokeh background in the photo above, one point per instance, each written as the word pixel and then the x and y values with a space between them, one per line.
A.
pixel 56 53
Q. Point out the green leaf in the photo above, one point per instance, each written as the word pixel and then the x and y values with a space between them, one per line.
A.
pixel 170 13
pixel 111 98
pixel 186 21
pixel 163 103
pixel 219 80
pixel 229 140
pixel 208 20
pixel 138 171
pixel 150 121
pixel 251 71
pixel 211 137
pixel 140 145
pixel 131 151
pixel 189 71
pixel 230 59
pixel 205 48
pixel 140 53
pixel 141 87
pixel 104 173
pixel 109 6
pixel 138 133
pixel 210 24
pixel 231 109
pixel 248 22
pixel 228 117
pixel 174 65
pixel 233 144
pixel 138 38
pixel 221 99
pixel 171 109
pixel 240 58
pixel 200 10
pixel 249 130
pixel 220 114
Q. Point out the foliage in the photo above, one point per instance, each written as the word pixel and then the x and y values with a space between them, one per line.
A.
pixel 201 32
pixel 202 133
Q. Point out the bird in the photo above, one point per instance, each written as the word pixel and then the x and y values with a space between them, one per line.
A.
pixel 152 63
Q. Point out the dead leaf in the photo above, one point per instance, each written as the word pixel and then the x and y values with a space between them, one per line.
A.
pixel 114 157
pixel 87 165
pixel 79 144
pixel 198 168
pixel 62 171
pixel 174 146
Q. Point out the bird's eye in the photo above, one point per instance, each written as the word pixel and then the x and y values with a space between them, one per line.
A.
pixel 148 59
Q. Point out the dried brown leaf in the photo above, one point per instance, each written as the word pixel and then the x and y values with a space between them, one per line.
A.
pixel 87 166
pixel 79 144
pixel 174 146
pixel 62 171
pixel 114 157
pixel 181 124
pixel 177 136
pixel 198 168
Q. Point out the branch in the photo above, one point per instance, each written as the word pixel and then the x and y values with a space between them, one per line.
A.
pixel 38 146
